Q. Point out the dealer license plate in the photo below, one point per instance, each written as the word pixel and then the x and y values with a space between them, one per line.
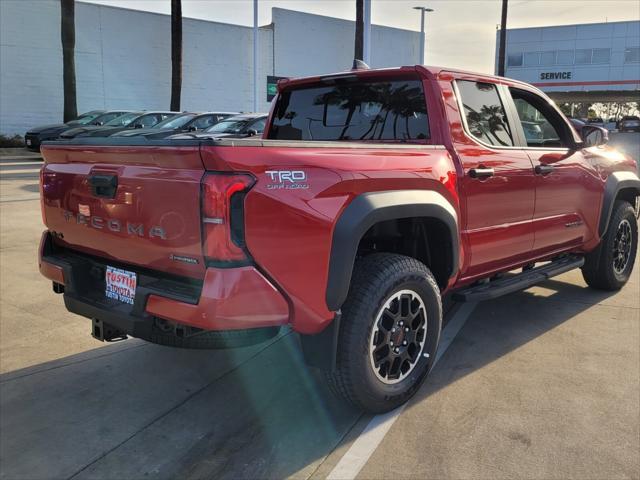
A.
pixel 120 285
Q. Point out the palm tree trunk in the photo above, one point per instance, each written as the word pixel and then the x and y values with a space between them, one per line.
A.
pixel 176 54
pixel 68 36
pixel 359 45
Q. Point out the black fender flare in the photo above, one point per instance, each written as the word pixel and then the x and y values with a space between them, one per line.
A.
pixel 616 182
pixel 370 208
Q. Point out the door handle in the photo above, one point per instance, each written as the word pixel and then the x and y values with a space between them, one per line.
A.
pixel 543 169
pixel 481 172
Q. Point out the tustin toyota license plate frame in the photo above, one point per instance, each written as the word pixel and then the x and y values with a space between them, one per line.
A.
pixel 120 285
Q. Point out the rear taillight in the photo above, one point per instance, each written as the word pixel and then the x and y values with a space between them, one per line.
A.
pixel 44 218
pixel 223 216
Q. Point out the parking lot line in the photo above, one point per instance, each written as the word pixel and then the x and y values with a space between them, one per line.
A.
pixel 363 447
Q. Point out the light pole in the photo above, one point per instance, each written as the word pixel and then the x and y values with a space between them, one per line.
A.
pixel 366 34
pixel 255 55
pixel 422 12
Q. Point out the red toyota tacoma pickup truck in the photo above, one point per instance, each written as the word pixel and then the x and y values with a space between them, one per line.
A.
pixel 371 195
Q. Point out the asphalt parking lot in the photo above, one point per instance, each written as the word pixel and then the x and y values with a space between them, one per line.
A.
pixel 544 383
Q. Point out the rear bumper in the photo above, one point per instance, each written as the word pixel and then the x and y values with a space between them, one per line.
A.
pixel 227 299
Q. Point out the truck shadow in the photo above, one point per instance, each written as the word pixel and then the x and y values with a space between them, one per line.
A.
pixel 257 412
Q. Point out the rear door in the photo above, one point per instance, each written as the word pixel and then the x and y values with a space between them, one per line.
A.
pixel 498 183
pixel 131 205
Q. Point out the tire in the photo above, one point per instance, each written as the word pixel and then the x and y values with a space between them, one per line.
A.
pixel 396 282
pixel 610 265
pixel 170 335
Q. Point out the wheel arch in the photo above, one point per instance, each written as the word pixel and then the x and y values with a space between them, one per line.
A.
pixel 619 185
pixel 369 209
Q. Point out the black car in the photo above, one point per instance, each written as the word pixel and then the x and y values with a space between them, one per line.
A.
pixel 99 122
pixel 34 137
pixel 143 120
pixel 240 126
pixel 629 123
pixel 187 122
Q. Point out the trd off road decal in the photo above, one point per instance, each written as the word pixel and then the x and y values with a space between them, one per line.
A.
pixel 287 179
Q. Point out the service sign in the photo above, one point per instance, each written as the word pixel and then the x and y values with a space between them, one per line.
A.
pixel 556 75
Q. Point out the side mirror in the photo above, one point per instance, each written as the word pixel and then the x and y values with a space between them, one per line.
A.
pixel 192 129
pixel 593 136
pixel 138 125
pixel 252 132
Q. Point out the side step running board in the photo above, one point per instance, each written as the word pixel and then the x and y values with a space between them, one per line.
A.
pixel 517 282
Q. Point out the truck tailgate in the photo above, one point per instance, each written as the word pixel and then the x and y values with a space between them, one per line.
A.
pixel 131 205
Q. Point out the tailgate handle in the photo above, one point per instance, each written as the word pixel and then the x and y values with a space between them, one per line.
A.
pixel 103 185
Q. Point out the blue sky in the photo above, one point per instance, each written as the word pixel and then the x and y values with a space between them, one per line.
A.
pixel 460 33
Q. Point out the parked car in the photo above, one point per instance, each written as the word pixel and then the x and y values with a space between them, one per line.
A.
pixel 188 122
pixel 629 123
pixel 597 121
pixel 98 122
pixel 239 126
pixel 34 137
pixel 348 224
pixel 121 121
pixel 144 120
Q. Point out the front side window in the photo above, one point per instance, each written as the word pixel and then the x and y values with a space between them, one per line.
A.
pixel 542 125
pixel 484 112
pixel 389 110
pixel 259 125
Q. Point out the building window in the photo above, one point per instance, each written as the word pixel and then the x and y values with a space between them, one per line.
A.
pixel 565 57
pixel 632 55
pixel 583 56
pixel 531 59
pixel 547 58
pixel 514 60
pixel 601 55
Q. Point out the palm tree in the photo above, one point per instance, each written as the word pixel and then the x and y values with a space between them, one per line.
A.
pixel 359 45
pixel 176 54
pixel 68 35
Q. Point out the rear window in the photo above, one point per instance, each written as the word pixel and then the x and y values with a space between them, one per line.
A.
pixel 393 110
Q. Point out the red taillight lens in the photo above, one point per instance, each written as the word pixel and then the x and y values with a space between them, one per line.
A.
pixel 223 216
pixel 44 218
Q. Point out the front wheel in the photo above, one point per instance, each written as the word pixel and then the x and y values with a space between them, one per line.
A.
pixel 610 265
pixel 389 332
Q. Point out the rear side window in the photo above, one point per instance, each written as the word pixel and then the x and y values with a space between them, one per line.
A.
pixel 484 112
pixel 392 110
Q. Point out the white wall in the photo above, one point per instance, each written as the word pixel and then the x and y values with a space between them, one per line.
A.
pixel 307 44
pixel 123 59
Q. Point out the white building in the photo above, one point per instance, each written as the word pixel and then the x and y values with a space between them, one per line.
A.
pixel 123 59
pixel 597 62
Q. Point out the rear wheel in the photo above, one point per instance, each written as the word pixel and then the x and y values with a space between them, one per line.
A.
pixel 610 265
pixel 389 332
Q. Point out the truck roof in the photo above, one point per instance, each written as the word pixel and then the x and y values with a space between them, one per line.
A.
pixel 428 71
